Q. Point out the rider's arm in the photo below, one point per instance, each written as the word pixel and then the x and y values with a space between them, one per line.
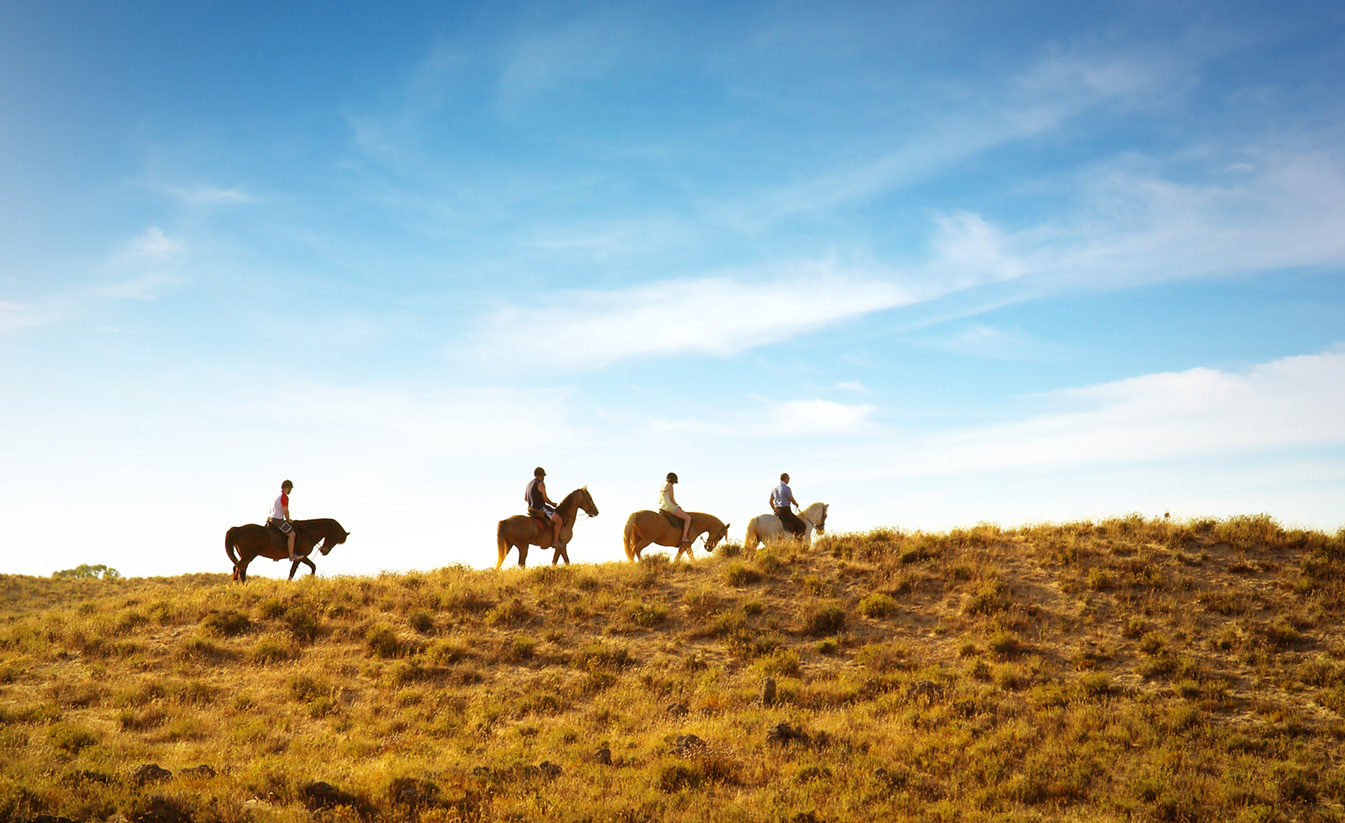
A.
pixel 793 501
pixel 541 487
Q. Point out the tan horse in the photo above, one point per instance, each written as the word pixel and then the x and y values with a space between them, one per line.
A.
pixel 767 527
pixel 521 530
pixel 645 527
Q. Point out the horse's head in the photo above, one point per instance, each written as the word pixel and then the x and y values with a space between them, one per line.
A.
pixel 822 522
pixel 586 503
pixel 332 540
pixel 713 537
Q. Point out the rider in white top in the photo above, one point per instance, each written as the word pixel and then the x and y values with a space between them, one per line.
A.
pixel 782 498
pixel 279 518
pixel 668 503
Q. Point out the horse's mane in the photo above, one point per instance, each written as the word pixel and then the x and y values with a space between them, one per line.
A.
pixel 571 495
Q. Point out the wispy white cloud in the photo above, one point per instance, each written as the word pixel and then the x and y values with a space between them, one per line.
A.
pixel 152 244
pixel 14 316
pixel 981 340
pixel 1291 403
pixel 139 287
pixel 1135 226
pixel 801 419
pixel 559 56
pixel 203 195
pixel 715 315
pixel 1042 98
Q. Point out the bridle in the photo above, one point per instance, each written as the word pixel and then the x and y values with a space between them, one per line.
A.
pixel 818 525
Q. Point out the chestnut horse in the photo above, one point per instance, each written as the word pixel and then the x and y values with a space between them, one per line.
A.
pixel 645 527
pixel 522 530
pixel 254 541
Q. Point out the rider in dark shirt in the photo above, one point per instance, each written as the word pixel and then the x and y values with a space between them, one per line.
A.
pixel 542 507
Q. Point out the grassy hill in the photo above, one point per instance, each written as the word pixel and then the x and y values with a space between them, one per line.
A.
pixel 1129 669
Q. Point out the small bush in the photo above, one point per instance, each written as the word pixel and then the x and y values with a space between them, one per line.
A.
pixel 1004 643
pixel 273 650
pixel 701 601
pixel 304 624
pixel 740 574
pixel 227 623
pixel 422 621
pixel 778 662
pixel 646 614
pixel 71 738
pixel 729 549
pixel 675 775
pixel 1099 580
pixel 828 619
pixel 519 649
pixel 382 641
pixel 877 605
pixel 512 613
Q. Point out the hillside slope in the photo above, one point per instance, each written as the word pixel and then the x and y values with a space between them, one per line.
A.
pixel 1129 669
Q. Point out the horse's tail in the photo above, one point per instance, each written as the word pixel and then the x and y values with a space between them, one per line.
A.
pixel 229 548
pixel 750 539
pixel 628 538
pixel 502 544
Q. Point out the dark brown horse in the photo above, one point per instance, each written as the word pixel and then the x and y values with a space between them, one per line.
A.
pixel 522 530
pixel 254 541
pixel 645 527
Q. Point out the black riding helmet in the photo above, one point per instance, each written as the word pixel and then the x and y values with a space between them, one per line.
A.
pixel 672 477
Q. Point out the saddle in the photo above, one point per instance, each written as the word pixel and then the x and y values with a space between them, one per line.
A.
pixel 673 520
pixel 540 520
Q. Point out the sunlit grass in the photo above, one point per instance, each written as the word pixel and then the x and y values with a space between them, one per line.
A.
pixel 1129 669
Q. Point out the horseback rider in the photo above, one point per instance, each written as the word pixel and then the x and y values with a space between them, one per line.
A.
pixel 668 503
pixel 543 507
pixel 782 498
pixel 279 518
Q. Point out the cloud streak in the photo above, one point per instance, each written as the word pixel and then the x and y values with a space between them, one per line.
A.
pixel 1290 403
pixel 717 316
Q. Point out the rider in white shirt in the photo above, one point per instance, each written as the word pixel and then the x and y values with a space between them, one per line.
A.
pixel 782 498
pixel 279 518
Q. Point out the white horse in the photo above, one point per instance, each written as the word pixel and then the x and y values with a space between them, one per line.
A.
pixel 766 527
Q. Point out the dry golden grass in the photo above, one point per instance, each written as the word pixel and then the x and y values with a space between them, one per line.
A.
pixel 1124 670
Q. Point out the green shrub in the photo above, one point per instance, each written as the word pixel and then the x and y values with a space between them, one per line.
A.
pixel 422 621
pixel 71 738
pixel 646 614
pixel 675 775
pixel 382 641
pixel 827 619
pixel 304 624
pixel 227 623
pixel 740 574
pixel 273 650
pixel 1005 643
pixel 877 605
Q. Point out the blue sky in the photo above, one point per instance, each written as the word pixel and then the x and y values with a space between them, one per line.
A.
pixel 975 262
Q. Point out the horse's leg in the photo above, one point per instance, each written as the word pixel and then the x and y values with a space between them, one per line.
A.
pixel 294 567
pixel 243 569
pixel 312 570
pixel 523 556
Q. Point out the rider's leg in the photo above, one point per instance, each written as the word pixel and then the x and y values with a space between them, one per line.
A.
pixel 686 523
pixel 290 537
